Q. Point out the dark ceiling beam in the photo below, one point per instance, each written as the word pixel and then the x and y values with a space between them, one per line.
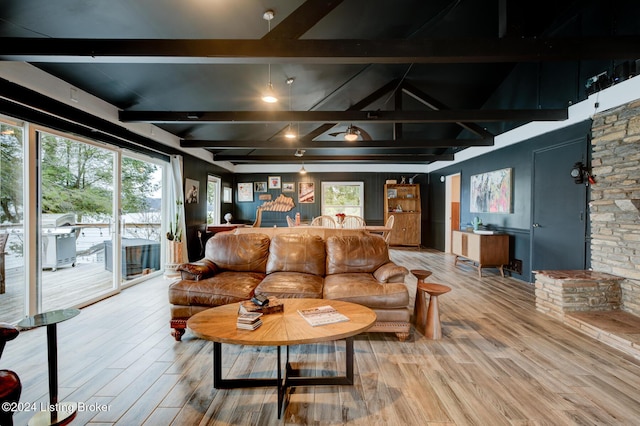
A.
pixel 434 116
pixel 363 103
pixel 380 144
pixel 436 105
pixel 307 159
pixel 344 51
pixel 77 118
pixel 302 19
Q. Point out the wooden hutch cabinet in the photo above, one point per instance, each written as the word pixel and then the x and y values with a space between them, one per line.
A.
pixel 403 202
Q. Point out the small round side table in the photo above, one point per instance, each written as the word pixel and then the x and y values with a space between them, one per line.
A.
pixel 432 328
pixel 58 413
pixel 420 304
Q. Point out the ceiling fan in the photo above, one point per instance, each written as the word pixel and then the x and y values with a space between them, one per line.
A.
pixel 353 133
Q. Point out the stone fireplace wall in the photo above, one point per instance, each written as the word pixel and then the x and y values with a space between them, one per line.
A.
pixel 615 199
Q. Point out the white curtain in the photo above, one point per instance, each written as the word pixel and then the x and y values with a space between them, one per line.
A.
pixel 176 203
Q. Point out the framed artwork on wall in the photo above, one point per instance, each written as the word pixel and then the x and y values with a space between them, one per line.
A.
pixel 227 195
pixel 259 186
pixel 274 182
pixel 491 192
pixel 288 186
pixel 191 191
pixel 245 191
pixel 306 192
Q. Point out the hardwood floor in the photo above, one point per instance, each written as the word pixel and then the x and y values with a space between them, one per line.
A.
pixel 500 362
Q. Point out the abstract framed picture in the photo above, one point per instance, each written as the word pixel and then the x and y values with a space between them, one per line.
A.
pixel 491 192
pixel 245 191
pixel 306 192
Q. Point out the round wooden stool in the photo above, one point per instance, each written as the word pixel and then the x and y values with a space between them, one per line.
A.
pixel 432 329
pixel 420 304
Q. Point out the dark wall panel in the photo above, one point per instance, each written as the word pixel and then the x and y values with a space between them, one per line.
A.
pixel 373 195
pixel 196 214
pixel 519 158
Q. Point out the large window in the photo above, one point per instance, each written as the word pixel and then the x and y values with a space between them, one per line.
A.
pixel 343 197
pixel 213 200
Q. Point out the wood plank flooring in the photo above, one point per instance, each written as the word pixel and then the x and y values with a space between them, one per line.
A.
pixel 500 363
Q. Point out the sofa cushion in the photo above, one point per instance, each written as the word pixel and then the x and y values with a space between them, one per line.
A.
pixel 363 289
pixel 296 253
pixel 291 285
pixel 221 289
pixel 355 253
pixel 232 252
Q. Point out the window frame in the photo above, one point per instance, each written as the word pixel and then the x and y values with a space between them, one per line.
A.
pixel 323 205
pixel 217 199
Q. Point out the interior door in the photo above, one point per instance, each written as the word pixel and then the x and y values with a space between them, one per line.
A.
pixel 558 231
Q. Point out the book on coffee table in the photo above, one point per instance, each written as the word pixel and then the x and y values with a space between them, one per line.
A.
pixel 249 321
pixel 249 326
pixel 322 315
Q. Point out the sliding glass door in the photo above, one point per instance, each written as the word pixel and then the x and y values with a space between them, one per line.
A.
pixel 12 259
pixel 141 218
pixel 78 221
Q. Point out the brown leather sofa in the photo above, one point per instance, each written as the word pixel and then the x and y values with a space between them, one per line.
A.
pixel 352 268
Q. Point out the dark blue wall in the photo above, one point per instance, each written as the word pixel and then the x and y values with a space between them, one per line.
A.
pixel 196 214
pixel 373 195
pixel 519 158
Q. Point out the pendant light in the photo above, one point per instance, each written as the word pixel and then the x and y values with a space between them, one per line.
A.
pixel 303 171
pixel 290 133
pixel 269 96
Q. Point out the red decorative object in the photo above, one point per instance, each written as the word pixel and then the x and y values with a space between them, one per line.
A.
pixel 340 217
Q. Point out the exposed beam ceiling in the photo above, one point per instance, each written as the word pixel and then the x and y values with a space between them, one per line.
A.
pixel 343 51
pixel 370 159
pixel 307 144
pixel 434 116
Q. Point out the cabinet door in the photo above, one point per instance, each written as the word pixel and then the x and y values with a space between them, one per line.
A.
pixel 459 243
pixel 473 247
pixel 406 230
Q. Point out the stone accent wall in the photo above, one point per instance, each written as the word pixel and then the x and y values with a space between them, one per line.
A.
pixel 562 292
pixel 615 199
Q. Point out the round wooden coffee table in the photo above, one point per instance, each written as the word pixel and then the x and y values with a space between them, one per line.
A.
pixel 281 329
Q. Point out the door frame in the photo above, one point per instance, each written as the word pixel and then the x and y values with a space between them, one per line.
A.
pixel 448 198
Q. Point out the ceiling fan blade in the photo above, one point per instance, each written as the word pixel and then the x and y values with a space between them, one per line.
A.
pixel 365 136
pixel 336 133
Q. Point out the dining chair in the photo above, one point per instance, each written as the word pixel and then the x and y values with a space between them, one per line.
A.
pixel 325 221
pixel 290 222
pixel 353 222
pixel 258 220
pixel 388 224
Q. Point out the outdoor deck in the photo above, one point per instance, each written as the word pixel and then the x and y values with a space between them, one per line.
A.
pixel 64 287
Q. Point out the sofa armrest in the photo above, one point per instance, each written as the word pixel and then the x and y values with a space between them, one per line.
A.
pixel 197 271
pixel 390 273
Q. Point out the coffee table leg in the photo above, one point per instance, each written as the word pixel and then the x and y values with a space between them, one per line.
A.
pixel 349 359
pixel 281 388
pixel 217 365
pixel 283 383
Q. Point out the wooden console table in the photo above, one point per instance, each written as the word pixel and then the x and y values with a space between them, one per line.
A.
pixel 485 250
